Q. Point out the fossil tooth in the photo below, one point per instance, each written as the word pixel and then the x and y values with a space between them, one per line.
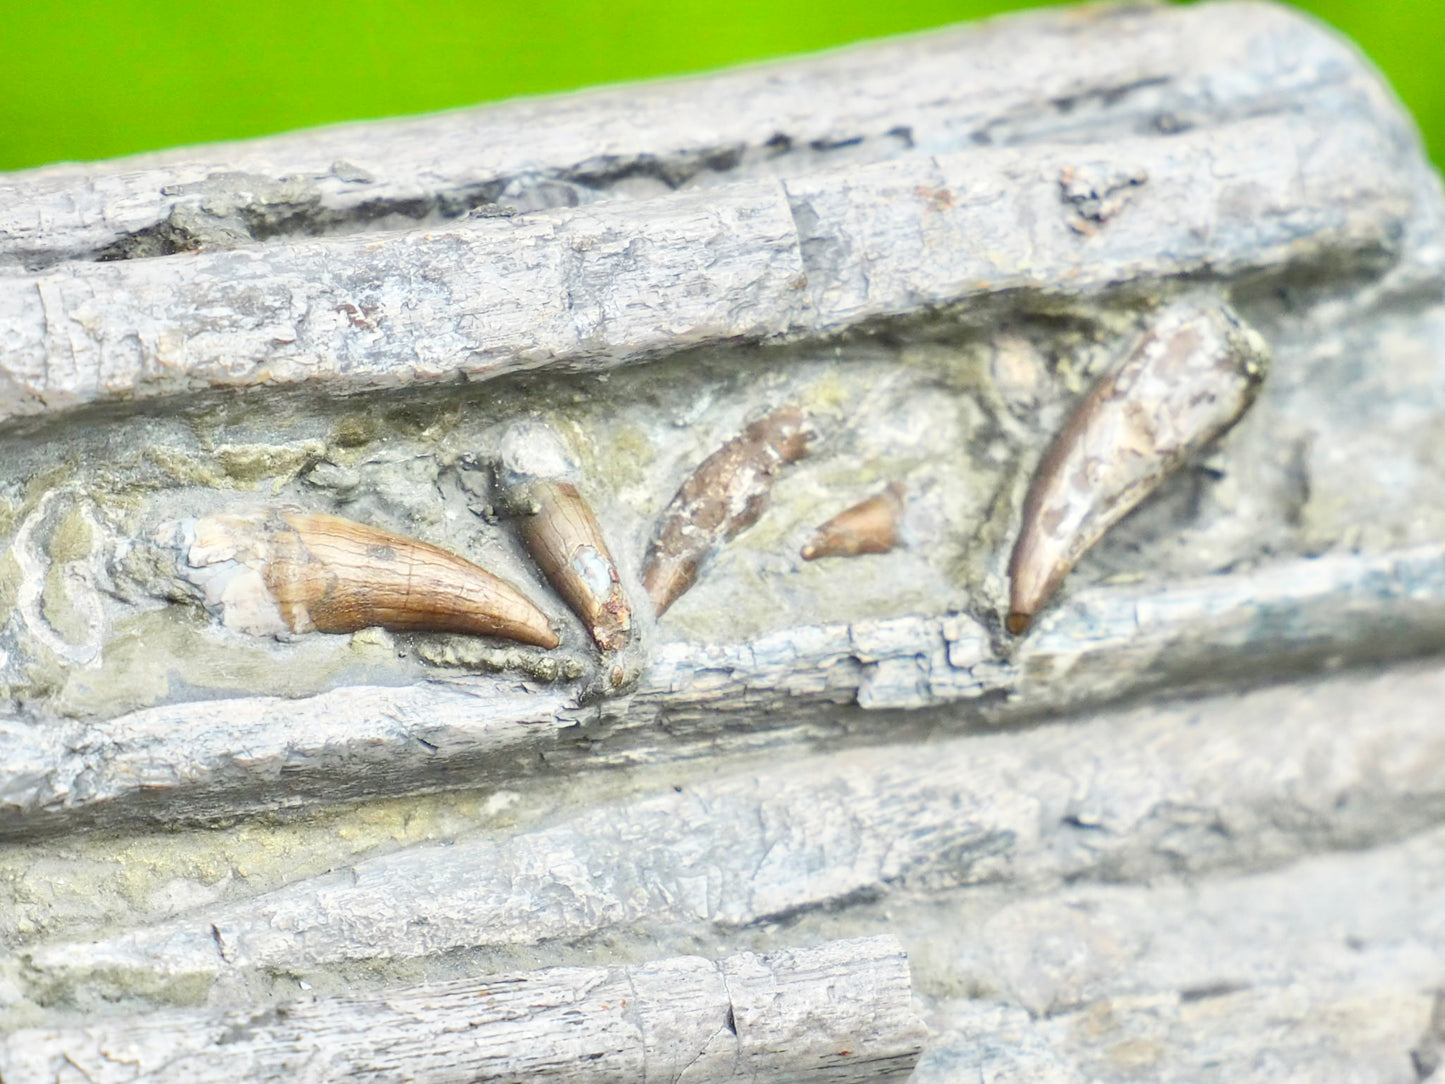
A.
pixel 1187 379
pixel 277 572
pixel 560 531
pixel 870 526
pixel 725 495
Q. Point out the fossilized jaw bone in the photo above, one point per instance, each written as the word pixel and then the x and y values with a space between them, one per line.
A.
pixel 1191 375
pixel 870 526
pixel 726 494
pixel 561 532
pixel 277 572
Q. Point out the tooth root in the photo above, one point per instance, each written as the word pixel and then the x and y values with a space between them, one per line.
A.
pixel 561 532
pixel 723 497
pixel 1191 375
pixel 329 574
pixel 870 526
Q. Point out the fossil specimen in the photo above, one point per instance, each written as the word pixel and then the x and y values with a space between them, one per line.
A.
pixel 533 472
pixel 1189 377
pixel 870 526
pixel 284 571
pixel 725 495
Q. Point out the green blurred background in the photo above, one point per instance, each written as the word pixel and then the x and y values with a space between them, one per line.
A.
pixel 94 78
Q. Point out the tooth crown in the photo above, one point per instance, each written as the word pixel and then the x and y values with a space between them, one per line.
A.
pixel 1187 380
pixel 533 473
pixel 328 574
pixel 870 526
pixel 564 538
pixel 725 495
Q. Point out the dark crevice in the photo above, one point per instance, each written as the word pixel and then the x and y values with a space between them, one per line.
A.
pixel 1107 96
pixel 674 171
pixel 834 143
pixel 789 916
pixel 779 143
pixel 904 134
pixel 1217 989
pixel 230 209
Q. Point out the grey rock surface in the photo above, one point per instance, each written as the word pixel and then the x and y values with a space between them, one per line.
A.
pixel 1187 829
pixel 761 261
pixel 839 1012
pixel 1121 796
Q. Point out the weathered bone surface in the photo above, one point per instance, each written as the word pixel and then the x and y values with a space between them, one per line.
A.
pixel 932 247
pixel 840 1012
pixel 767 261
pixel 1121 795
pixel 1026 80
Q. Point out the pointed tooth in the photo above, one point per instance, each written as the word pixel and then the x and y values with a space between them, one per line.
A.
pixel 724 496
pixel 870 526
pixel 1187 379
pixel 329 574
pixel 560 530
pixel 667 576
pixel 564 539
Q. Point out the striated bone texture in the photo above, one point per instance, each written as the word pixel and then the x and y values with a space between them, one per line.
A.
pixel 839 1012
pixel 1188 828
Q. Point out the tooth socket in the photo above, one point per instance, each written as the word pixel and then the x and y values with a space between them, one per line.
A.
pixel 725 495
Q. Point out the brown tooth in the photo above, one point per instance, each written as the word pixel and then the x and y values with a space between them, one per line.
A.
pixel 725 495
pixel 329 574
pixel 870 526
pixel 560 531
pixel 1191 375
pixel 566 542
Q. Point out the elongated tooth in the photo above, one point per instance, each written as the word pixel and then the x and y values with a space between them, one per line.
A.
pixel 725 495
pixel 870 526
pixel 560 531
pixel 1190 376
pixel 276 572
